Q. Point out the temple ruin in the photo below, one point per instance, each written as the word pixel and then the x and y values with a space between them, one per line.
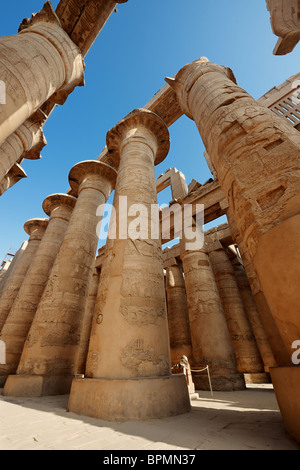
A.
pixel 111 326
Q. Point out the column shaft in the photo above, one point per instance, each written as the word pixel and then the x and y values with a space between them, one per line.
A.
pixel 36 63
pixel 14 332
pixel 178 315
pixel 256 156
pixel 48 361
pixel 35 228
pixel 209 331
pixel 244 344
pixel 128 365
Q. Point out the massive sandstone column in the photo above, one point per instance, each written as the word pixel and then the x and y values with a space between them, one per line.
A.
pixel 35 64
pixel 269 333
pixel 49 358
pixel 243 341
pixel 35 228
pixel 26 142
pixel 59 208
pixel 128 367
pixel 254 318
pixel 87 322
pixel 256 156
pixel 178 315
pixel 209 331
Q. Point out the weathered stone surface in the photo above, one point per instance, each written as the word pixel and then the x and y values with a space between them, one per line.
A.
pixel 285 24
pixel 52 345
pixel 129 345
pixel 35 228
pixel 59 208
pixel 35 64
pixel 256 156
pixel 178 315
pixel 211 341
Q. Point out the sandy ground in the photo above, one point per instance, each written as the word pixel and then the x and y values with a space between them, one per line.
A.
pixel 246 420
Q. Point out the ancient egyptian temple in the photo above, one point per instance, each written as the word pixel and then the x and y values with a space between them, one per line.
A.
pixel 131 330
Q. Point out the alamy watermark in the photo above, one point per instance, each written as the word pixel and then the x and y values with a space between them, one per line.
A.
pixel 2 93
pixel 296 354
pixel 2 353
pixel 154 222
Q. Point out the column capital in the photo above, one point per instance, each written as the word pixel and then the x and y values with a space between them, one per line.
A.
pixel 35 224
pixel 184 80
pixel 140 118
pixel 82 170
pixel 57 200
pixel 47 24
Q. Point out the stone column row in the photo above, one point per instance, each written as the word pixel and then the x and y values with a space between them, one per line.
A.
pixel 128 372
pixel 59 208
pixel 50 355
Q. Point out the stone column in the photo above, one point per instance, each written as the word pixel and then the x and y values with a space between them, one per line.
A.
pixel 128 367
pixel 15 174
pixel 87 322
pixel 178 314
pixel 35 64
pixel 26 142
pixel 256 156
pixel 59 208
pixel 243 341
pixel 35 228
pixel 254 320
pixel 268 325
pixel 48 361
pixel 209 331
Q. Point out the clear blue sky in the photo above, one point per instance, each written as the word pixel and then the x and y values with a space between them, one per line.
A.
pixel 140 45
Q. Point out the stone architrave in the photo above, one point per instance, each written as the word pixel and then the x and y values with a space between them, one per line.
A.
pixel 211 340
pixel 48 361
pixel 128 372
pixel 244 345
pixel 59 208
pixel 37 63
pixel 35 228
pixel 178 315
pixel 256 157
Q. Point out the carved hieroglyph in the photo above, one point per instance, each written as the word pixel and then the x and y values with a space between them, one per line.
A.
pixel 256 156
pixel 49 357
pixel 59 208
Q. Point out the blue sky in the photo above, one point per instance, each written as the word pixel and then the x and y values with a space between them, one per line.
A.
pixel 142 43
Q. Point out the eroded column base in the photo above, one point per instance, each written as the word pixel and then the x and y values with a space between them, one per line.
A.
pixel 257 378
pixel 135 399
pixel 286 382
pixel 219 383
pixel 37 385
